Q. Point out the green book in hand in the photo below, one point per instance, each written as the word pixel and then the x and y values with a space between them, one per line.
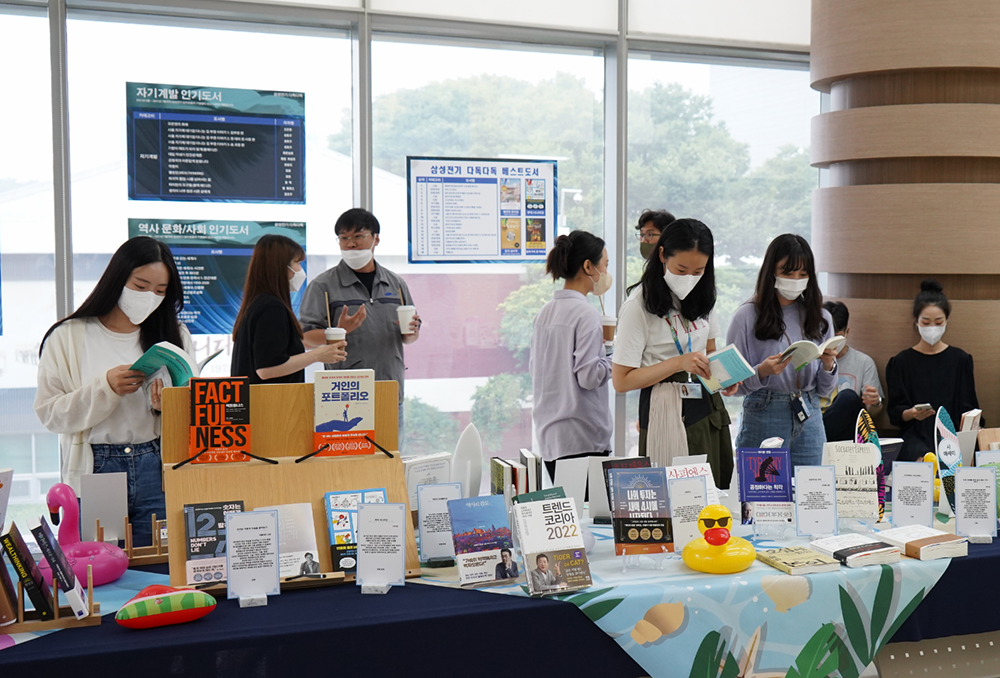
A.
pixel 728 367
pixel 178 364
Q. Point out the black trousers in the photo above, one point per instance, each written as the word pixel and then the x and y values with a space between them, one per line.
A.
pixel 841 418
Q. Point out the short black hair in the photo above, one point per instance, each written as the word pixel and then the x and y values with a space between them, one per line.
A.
pixel 841 316
pixel 356 219
pixel 507 551
pixel 663 219
pixel 309 555
pixel 540 556
pixel 680 235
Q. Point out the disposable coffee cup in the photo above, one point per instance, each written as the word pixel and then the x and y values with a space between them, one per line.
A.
pixel 405 315
pixel 608 323
pixel 335 334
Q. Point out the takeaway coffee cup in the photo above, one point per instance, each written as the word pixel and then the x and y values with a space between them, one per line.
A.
pixel 608 323
pixel 405 314
pixel 335 334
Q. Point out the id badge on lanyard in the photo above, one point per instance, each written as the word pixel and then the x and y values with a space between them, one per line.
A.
pixel 690 390
pixel 800 409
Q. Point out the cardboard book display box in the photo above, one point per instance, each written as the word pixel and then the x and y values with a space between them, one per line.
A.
pixel 281 417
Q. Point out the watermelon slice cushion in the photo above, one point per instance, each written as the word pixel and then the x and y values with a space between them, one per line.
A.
pixel 160 605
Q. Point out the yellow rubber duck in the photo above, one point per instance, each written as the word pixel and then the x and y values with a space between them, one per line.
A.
pixel 930 457
pixel 717 552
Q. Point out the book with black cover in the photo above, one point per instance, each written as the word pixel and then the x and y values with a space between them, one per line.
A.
pixel 27 571
pixel 62 572
pixel 205 530
pixel 8 597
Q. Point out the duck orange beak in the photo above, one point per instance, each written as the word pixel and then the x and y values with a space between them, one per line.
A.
pixel 54 514
pixel 717 536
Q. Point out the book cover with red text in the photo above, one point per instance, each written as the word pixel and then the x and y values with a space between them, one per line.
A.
pixel 344 410
pixel 220 419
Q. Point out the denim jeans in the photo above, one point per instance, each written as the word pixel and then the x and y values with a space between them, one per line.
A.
pixel 769 413
pixel 143 467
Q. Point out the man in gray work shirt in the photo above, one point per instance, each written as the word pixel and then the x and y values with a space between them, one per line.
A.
pixel 363 298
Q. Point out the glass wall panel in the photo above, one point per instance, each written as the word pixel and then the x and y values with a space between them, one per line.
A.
pixel 480 102
pixel 27 282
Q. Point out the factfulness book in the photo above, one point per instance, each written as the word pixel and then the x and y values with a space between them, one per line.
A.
pixel 344 411
pixel 220 419
pixel 554 555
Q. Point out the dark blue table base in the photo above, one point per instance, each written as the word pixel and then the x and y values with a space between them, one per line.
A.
pixel 415 630
pixel 965 601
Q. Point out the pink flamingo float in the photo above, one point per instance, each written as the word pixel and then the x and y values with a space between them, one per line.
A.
pixel 109 562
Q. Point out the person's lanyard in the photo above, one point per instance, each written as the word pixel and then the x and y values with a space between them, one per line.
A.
pixel 673 333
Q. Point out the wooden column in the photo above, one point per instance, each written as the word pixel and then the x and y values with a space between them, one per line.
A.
pixel 912 142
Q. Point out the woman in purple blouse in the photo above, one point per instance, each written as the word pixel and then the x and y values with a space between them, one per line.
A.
pixel 787 306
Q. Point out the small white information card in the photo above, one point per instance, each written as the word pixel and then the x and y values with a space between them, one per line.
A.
pixel 688 496
pixel 434 519
pixel 912 493
pixel 815 500
pixel 381 544
pixel 252 563
pixel 976 501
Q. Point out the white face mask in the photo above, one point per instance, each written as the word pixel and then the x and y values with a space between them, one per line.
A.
pixel 297 280
pixel 603 283
pixel 138 305
pixel 932 333
pixel 357 259
pixel 791 288
pixel 681 285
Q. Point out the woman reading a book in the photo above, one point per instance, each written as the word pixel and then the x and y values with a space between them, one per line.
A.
pixel 568 365
pixel 930 373
pixel 664 332
pixel 267 337
pixel 787 306
pixel 87 392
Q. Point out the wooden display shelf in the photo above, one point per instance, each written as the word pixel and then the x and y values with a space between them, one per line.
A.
pixel 63 616
pixel 141 555
pixel 281 421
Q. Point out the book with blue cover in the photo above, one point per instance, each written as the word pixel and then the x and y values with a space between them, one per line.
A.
pixel 342 523
pixel 481 532
pixel 728 367
pixel 765 474
pixel 640 512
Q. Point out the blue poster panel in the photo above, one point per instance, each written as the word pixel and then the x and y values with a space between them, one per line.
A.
pixel 215 144
pixel 212 259
pixel 480 210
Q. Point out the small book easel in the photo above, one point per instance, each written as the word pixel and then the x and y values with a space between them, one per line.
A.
pixel 140 555
pixel 281 429
pixel 63 617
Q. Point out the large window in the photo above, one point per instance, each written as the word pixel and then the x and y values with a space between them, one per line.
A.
pixel 727 145
pixel 27 284
pixel 475 101
pixel 106 54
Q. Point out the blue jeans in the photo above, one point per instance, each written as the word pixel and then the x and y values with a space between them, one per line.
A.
pixel 143 467
pixel 768 413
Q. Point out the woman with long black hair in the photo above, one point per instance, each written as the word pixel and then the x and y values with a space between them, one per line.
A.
pixel 86 391
pixel 787 306
pixel 664 332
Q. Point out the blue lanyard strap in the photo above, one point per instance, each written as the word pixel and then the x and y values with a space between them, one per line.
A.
pixel 673 333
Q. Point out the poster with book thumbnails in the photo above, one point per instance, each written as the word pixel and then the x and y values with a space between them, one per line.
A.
pixel 765 486
pixel 554 557
pixel 344 412
pixel 976 503
pixel 816 501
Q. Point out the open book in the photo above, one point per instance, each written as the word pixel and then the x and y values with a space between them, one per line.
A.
pixel 728 367
pixel 802 352
pixel 169 363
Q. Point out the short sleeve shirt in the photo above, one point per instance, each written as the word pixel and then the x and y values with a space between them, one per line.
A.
pixel 643 339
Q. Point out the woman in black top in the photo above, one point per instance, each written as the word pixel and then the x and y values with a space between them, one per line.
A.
pixel 932 372
pixel 267 337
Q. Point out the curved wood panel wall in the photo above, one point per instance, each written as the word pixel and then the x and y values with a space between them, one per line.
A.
pixel 912 144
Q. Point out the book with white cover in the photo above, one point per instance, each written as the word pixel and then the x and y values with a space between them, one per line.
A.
pixel 533 462
pixel 554 557
pixel 426 469
pixel 856 550
pixel 297 552
pixel 925 543
pixel 804 351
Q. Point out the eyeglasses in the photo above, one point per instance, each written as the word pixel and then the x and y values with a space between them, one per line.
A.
pixel 710 522
pixel 651 236
pixel 357 238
